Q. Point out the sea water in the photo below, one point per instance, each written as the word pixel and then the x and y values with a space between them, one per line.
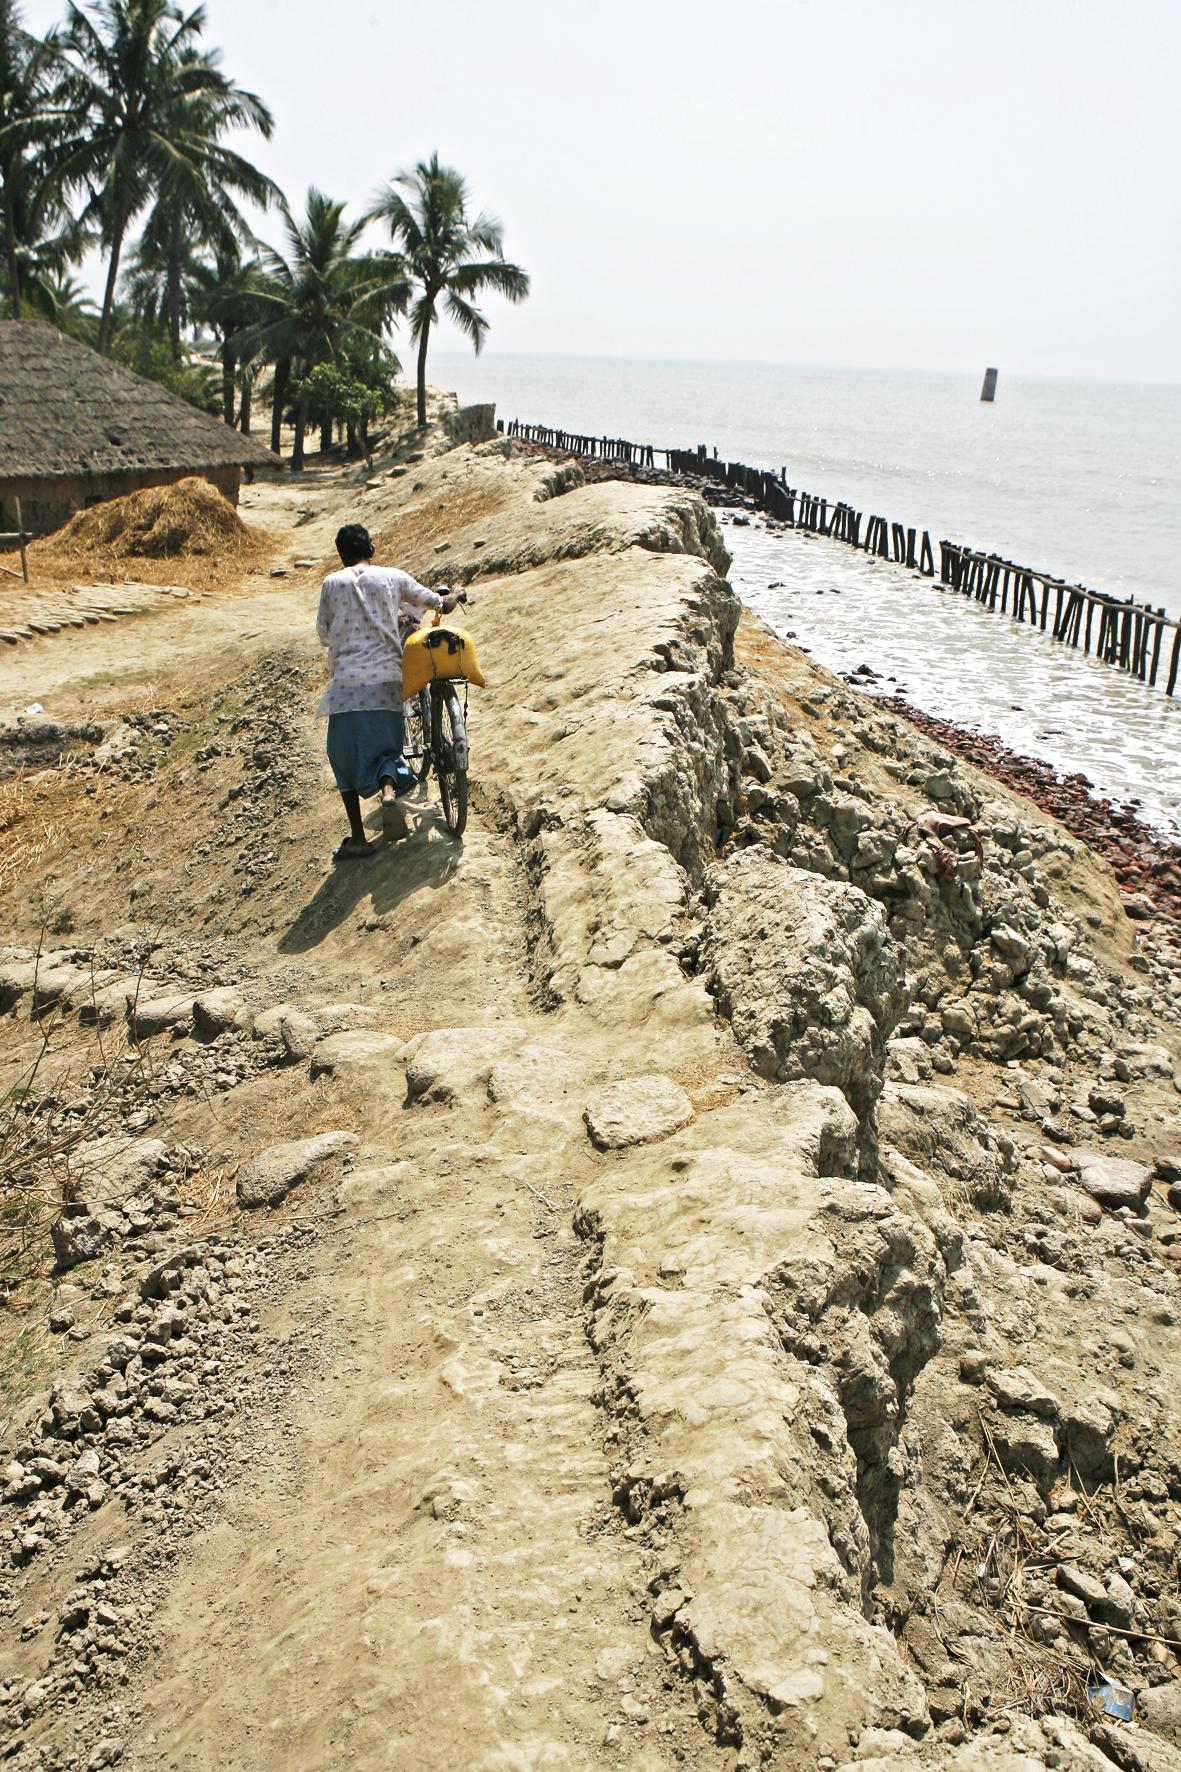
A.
pixel 1078 479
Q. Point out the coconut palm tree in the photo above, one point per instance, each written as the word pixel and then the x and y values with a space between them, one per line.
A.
pixel 317 300
pixel 28 117
pixel 46 242
pixel 223 292
pixel 195 203
pixel 445 254
pixel 150 106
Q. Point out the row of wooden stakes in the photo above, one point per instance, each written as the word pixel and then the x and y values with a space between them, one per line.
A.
pixel 1128 634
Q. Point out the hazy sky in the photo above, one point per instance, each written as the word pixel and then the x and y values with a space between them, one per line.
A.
pixel 934 184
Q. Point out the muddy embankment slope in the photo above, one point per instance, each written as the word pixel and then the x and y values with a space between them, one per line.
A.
pixel 714 1296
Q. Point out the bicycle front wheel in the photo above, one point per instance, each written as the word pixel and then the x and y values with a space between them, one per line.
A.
pixel 450 755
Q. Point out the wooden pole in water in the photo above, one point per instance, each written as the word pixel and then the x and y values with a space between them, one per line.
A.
pixel 1158 632
pixel 988 391
pixel 1173 659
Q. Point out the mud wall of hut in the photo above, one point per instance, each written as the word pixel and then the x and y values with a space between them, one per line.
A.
pixel 47 502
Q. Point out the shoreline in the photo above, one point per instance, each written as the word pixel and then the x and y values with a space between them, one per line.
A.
pixel 1146 859
pixel 1145 862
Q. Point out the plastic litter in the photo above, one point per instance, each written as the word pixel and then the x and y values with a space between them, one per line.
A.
pixel 1112 1699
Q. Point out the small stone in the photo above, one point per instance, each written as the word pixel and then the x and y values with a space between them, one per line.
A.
pixel 1026 1443
pixel 1009 945
pixel 266 1179
pixel 1113 1181
pixel 355 1049
pixel 1120 1604
pixel 636 1111
pixel 1085 1587
pixel 666 1605
pixel 1019 1389
pixel 80 1235
pixel 161 1014
pixel 82 1473
pixel 216 1012
pixel 1159 1708
pixel 61 1319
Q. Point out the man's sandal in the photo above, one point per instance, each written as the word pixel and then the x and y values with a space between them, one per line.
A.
pixel 347 851
pixel 393 822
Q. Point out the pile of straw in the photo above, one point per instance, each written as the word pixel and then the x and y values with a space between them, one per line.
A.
pixel 162 522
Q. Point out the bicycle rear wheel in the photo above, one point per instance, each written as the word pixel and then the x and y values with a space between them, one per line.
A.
pixel 417 746
pixel 450 756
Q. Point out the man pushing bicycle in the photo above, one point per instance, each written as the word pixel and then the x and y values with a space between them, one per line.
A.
pixel 360 621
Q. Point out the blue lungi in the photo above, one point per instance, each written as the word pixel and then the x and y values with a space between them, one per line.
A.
pixel 364 746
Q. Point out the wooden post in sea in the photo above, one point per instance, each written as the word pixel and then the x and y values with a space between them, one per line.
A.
pixel 988 391
pixel 1174 657
pixel 1158 633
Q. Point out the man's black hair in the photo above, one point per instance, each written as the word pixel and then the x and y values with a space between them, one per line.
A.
pixel 353 543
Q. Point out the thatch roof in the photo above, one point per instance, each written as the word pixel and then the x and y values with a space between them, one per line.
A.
pixel 66 410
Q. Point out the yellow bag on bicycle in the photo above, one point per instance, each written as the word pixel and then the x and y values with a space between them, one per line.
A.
pixel 438 652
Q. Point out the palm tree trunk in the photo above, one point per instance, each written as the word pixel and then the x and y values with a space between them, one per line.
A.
pixel 229 366
pixel 14 281
pixel 244 409
pixel 279 400
pixel 352 446
pixel 301 425
pixel 106 323
pixel 325 435
pixel 422 343
pixel 174 287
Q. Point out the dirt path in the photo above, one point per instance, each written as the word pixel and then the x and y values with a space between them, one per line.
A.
pixel 439 1578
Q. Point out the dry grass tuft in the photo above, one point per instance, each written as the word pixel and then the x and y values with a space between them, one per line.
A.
pixel 30 829
pixel 162 522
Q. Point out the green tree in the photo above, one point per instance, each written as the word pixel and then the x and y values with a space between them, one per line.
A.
pixel 46 243
pixel 149 355
pixel 223 292
pixel 150 106
pixel 339 395
pixel 445 255
pixel 316 302
pixel 29 117
pixel 195 205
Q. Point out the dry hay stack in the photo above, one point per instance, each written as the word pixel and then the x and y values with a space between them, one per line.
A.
pixel 162 522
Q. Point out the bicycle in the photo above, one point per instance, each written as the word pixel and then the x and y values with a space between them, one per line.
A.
pixel 436 737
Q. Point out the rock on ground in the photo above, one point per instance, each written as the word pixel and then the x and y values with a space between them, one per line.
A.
pixel 269 1177
pixel 636 1111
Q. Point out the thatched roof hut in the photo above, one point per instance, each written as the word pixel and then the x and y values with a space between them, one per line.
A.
pixel 76 428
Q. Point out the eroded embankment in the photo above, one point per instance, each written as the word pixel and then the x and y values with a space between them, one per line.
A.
pixel 856 1341
pixel 858 1135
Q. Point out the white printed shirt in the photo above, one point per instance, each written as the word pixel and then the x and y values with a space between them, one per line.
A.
pixel 358 622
